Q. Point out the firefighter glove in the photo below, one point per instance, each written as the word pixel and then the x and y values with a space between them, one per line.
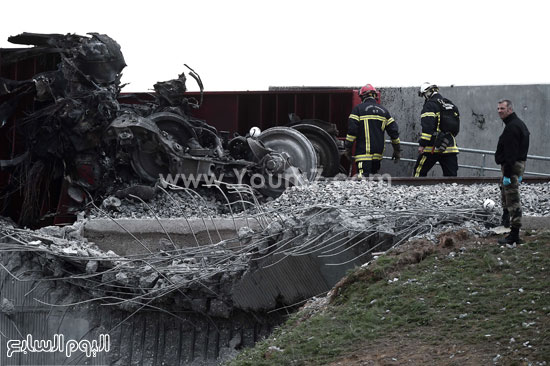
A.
pixel 506 181
pixel 444 144
pixel 396 153
pixel 348 146
pixel 442 141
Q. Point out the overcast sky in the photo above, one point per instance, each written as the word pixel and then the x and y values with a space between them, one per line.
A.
pixel 252 45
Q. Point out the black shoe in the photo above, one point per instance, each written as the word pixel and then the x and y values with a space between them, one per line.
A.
pixel 505 218
pixel 512 238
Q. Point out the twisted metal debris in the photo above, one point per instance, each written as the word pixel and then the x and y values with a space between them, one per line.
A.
pixel 182 272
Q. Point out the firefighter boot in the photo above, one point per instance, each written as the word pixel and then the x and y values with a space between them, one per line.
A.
pixel 512 238
pixel 505 218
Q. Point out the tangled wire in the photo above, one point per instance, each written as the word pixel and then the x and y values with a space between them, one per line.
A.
pixel 186 271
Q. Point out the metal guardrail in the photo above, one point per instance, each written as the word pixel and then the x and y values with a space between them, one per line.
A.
pixel 484 154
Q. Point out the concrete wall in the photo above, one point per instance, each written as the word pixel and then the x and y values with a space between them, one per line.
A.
pixel 480 124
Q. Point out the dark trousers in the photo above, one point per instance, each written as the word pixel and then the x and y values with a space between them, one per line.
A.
pixel 426 161
pixel 367 167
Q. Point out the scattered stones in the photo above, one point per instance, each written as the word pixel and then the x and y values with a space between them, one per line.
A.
pixel 453 199
pixel 91 267
pixel 7 307
pixel 535 197
pixel 442 214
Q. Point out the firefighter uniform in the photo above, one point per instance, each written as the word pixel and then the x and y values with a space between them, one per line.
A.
pixel 448 158
pixel 366 125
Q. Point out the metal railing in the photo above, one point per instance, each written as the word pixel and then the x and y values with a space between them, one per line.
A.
pixel 482 168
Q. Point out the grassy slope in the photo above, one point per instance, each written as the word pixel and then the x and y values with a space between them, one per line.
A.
pixel 486 303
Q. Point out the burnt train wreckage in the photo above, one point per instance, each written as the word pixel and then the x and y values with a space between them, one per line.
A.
pixel 82 129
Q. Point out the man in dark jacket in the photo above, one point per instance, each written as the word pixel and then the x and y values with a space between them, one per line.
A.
pixel 366 125
pixel 437 142
pixel 511 155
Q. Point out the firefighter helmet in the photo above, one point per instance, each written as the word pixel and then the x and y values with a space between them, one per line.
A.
pixel 367 91
pixel 426 88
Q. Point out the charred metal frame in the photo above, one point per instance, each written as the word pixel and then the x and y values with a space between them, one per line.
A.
pixel 80 133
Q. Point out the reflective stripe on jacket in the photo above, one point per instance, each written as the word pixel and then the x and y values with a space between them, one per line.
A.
pixel 429 120
pixel 366 125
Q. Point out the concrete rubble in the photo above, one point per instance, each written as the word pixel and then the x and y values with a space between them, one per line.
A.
pixel 322 229
pixel 302 221
pixel 341 192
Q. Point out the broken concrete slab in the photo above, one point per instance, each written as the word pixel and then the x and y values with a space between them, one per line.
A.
pixel 154 235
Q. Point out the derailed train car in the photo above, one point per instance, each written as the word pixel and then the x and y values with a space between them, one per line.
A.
pixel 73 135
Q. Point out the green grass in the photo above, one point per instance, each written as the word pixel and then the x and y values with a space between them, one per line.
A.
pixel 486 295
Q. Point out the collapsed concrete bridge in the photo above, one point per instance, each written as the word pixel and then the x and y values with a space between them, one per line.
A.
pixel 210 299
pixel 163 299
